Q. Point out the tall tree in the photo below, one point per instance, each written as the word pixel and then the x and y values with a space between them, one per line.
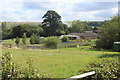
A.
pixel 110 32
pixel 51 23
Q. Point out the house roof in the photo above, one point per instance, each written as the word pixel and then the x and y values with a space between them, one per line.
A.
pixel 69 35
pixel 85 34
pixel 116 42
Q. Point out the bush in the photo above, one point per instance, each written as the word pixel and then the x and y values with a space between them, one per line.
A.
pixel 51 42
pixel 106 69
pixel 17 41
pixel 65 39
pixel 24 38
pixel 34 39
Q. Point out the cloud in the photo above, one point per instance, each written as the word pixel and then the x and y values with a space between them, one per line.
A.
pixel 72 1
pixel 19 10
pixel 107 13
pixel 39 5
pixel 93 6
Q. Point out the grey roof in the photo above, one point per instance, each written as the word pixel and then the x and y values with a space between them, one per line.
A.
pixel 85 34
pixel 116 42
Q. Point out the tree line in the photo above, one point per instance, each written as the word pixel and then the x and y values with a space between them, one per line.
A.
pixel 51 26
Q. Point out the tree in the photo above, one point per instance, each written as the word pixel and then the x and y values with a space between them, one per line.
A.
pixel 19 30
pixel 77 26
pixel 24 38
pixel 51 23
pixel 6 33
pixel 34 29
pixel 65 28
pixel 110 33
pixel 17 41
pixel 60 32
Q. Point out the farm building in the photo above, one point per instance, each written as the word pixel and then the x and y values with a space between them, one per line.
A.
pixel 71 37
pixel 85 35
pixel 116 46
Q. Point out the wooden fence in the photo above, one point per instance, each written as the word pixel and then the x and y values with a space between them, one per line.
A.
pixel 81 76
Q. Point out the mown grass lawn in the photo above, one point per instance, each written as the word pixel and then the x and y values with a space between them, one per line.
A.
pixel 60 63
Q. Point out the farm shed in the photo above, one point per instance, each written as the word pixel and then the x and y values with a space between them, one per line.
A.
pixel 116 46
pixel 86 35
pixel 71 37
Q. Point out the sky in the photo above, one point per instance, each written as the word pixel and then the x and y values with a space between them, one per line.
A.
pixel 69 10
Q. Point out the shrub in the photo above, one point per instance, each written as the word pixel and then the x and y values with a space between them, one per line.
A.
pixel 89 40
pixel 17 41
pixel 106 69
pixel 65 39
pixel 51 42
pixel 34 39
pixel 24 38
pixel 78 40
pixel 37 39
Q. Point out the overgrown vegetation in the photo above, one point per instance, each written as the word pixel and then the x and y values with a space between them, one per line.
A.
pixel 35 39
pixel 110 33
pixel 52 42
pixel 24 38
pixel 17 41
pixel 65 39
pixel 11 71
pixel 60 63
pixel 83 52
pixel 105 68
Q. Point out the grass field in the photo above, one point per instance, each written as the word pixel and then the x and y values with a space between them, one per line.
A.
pixel 12 41
pixel 60 63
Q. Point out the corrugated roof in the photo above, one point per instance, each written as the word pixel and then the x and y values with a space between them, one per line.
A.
pixel 85 34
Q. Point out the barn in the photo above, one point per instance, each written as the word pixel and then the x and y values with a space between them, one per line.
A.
pixel 85 35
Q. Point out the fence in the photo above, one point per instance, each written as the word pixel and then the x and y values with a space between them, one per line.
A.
pixel 81 76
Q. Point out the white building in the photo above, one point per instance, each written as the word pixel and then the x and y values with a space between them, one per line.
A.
pixel 71 37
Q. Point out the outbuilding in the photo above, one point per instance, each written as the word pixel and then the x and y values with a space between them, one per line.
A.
pixel 116 46
pixel 71 37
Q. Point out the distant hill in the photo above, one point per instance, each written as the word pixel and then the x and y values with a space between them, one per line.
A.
pixel 11 24
pixel 89 23
pixel 95 23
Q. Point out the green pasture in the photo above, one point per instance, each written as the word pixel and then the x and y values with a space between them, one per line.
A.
pixel 60 63
pixel 12 41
